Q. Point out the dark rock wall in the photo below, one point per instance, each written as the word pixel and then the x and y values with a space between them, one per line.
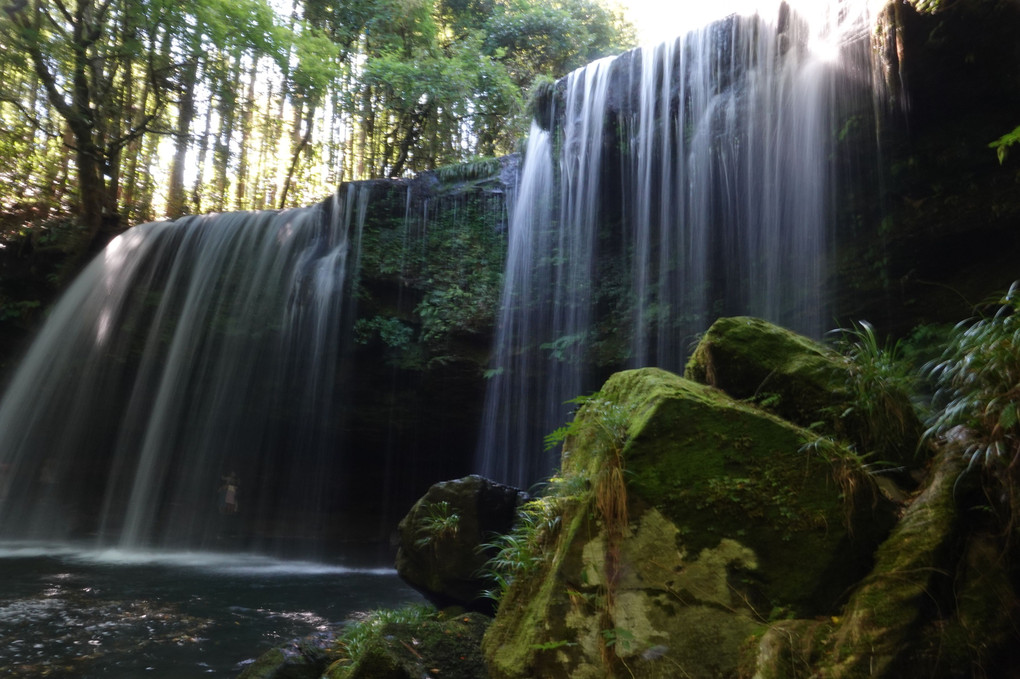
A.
pixel 928 219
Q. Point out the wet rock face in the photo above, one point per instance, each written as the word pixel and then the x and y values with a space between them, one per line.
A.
pixel 733 516
pixel 441 551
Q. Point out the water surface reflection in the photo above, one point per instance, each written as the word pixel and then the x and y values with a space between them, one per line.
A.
pixel 68 612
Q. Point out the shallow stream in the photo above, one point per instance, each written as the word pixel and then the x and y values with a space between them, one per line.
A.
pixel 67 612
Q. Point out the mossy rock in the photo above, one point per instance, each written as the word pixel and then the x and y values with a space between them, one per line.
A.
pixel 305 658
pixel 802 381
pixel 722 469
pixel 940 601
pixel 733 515
pixel 443 537
pixel 752 359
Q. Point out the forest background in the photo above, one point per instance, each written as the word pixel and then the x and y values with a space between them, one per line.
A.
pixel 115 112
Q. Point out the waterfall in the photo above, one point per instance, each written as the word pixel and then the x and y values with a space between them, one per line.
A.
pixel 187 353
pixel 662 189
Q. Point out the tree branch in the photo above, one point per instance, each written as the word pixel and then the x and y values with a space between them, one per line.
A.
pixel 63 10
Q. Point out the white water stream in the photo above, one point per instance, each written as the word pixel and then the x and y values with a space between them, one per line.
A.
pixel 683 182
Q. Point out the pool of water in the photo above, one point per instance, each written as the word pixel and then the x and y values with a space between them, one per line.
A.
pixel 71 612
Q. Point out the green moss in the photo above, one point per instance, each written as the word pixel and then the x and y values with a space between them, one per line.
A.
pixel 748 357
pixel 731 515
pixel 882 618
pixel 266 665
pixel 523 623
pixel 857 397
pixel 720 469
pixel 789 648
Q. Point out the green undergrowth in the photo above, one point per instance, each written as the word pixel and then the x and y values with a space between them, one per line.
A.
pixel 600 427
pixel 361 631
pixel 978 400
pixel 592 494
pixel 440 522
pixel 414 640
pixel 526 547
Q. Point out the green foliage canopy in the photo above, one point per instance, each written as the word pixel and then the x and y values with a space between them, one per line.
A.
pixel 177 106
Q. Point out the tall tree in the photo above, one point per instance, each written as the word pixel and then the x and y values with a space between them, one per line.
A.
pixel 137 98
pixel 79 65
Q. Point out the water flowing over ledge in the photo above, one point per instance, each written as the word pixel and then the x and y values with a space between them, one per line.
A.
pixel 204 382
pixel 663 189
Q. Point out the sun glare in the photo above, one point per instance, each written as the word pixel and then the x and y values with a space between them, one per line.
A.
pixel 657 21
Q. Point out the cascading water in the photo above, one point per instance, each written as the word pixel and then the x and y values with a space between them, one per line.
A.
pixel 279 359
pixel 188 357
pixel 670 186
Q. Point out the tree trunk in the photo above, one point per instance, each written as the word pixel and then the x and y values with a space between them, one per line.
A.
pixel 248 111
pixel 222 152
pixel 203 153
pixel 175 200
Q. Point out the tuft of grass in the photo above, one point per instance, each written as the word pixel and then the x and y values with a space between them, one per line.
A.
pixel 879 382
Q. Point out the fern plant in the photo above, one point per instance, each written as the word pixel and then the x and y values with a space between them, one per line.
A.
pixel 601 426
pixel 358 633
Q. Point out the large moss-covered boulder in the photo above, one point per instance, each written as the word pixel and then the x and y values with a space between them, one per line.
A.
pixel 731 515
pixel 442 540
pixel 808 384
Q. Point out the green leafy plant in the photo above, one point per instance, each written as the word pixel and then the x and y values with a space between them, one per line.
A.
pixel 618 637
pixel 523 549
pixel 601 427
pixel 1002 144
pixel 567 349
pixel 392 331
pixel 602 424
pixel 470 170
pixel 439 523
pixel 978 395
pixel 11 310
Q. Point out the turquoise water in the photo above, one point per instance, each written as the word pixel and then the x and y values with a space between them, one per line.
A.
pixel 68 612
